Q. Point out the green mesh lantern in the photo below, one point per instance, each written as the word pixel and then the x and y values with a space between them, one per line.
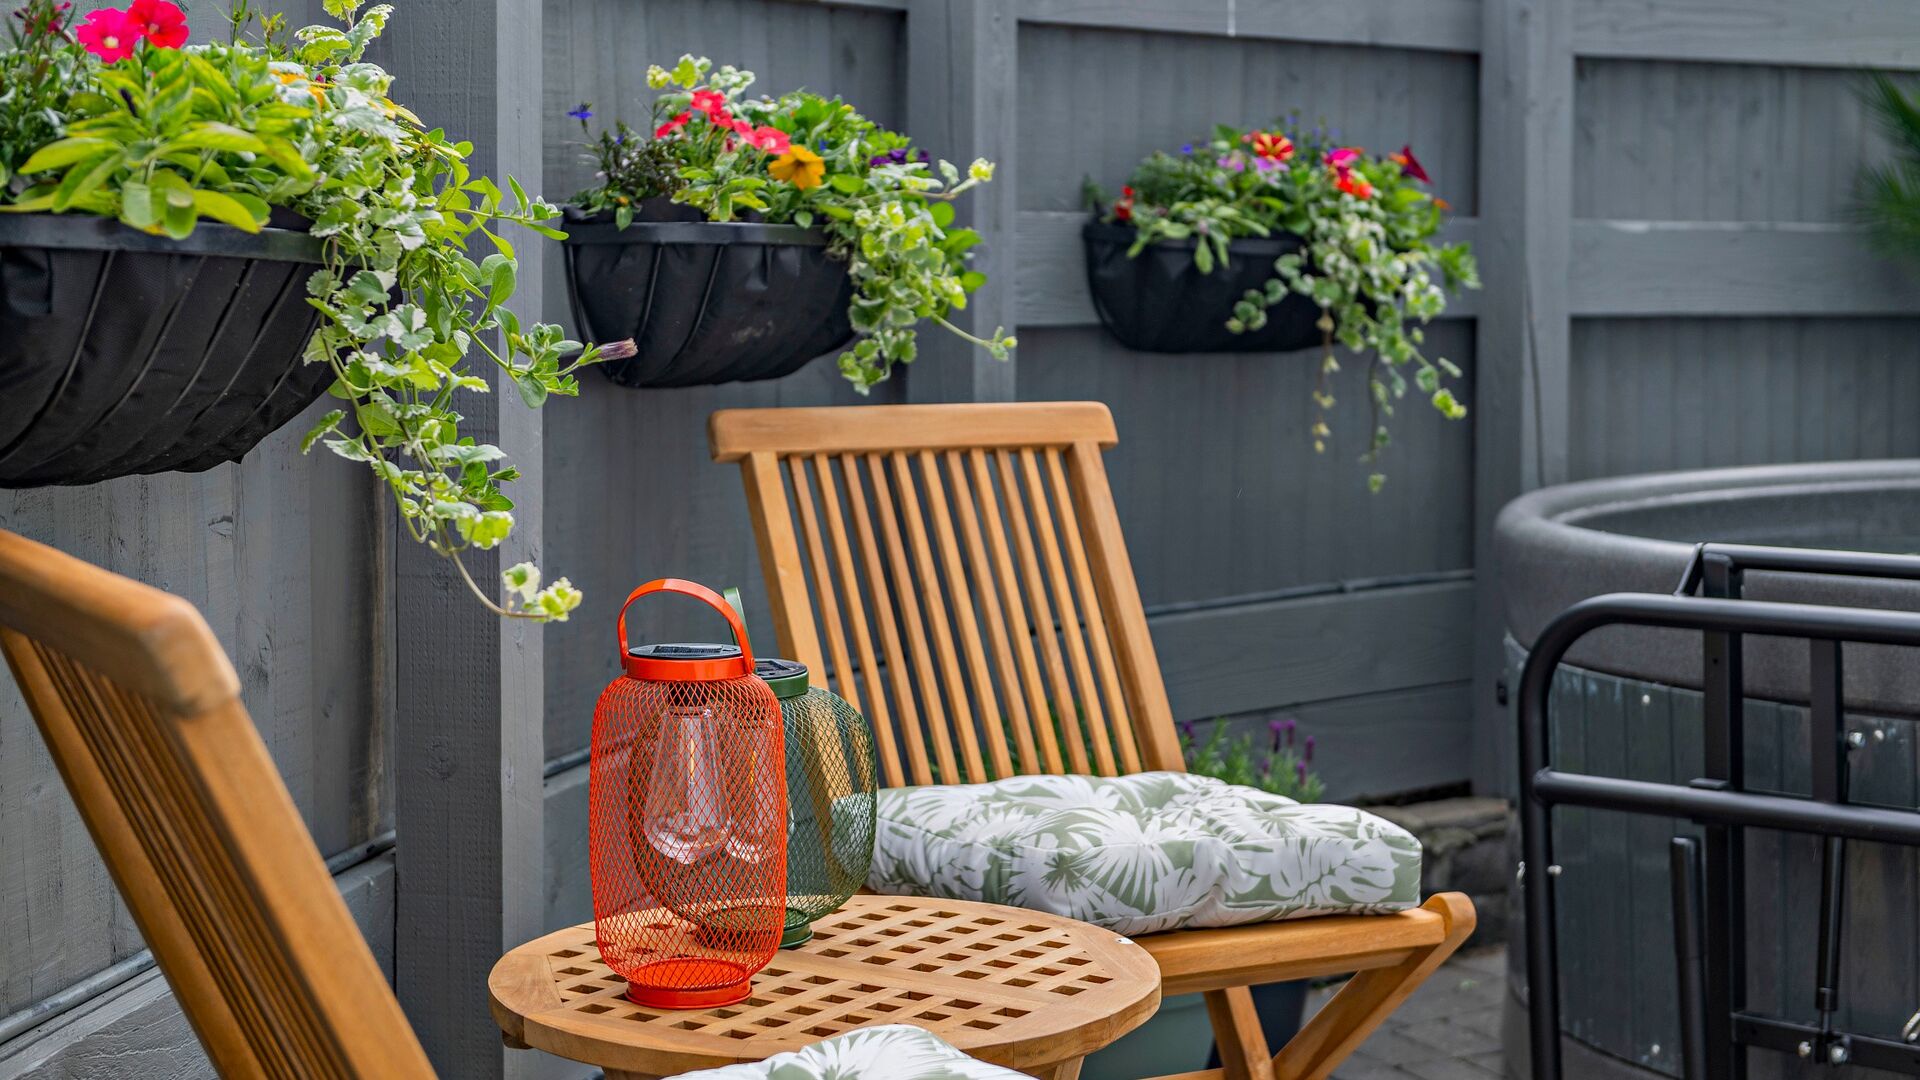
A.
pixel 830 797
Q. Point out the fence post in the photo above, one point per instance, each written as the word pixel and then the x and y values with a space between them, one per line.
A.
pixel 1521 355
pixel 960 106
pixel 468 743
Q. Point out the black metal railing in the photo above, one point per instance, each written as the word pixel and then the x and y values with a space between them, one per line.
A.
pixel 1708 875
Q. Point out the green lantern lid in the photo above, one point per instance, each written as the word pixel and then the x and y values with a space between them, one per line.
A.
pixel 787 677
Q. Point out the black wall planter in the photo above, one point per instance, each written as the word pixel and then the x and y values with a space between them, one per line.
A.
pixel 707 302
pixel 1158 301
pixel 125 353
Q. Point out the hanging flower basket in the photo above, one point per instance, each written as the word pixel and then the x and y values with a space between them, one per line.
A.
pixel 706 302
pixel 123 352
pixel 1159 301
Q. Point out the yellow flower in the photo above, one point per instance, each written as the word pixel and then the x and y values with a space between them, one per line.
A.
pixel 799 166
pixel 313 86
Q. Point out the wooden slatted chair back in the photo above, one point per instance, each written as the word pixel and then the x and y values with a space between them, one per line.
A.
pixel 958 572
pixel 141 712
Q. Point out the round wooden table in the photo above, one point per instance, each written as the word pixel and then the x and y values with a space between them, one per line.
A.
pixel 1030 991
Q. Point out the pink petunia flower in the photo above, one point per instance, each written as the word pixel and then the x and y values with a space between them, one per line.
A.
pixel 160 22
pixel 109 34
pixel 770 139
pixel 1342 159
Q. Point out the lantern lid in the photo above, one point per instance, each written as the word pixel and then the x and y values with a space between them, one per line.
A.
pixel 691 661
pixel 788 678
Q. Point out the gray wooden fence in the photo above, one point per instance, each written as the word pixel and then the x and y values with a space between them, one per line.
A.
pixel 1657 189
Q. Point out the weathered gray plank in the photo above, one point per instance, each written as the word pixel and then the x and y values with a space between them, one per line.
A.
pixel 1671 141
pixel 1217 483
pixel 1052 270
pixel 1839 33
pixel 1375 746
pixel 1730 269
pixel 1452 25
pixel 963 101
pixel 1804 389
pixel 468 745
pixel 1250 657
pixel 1526 147
pixel 568 873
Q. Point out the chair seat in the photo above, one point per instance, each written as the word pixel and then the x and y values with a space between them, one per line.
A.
pixel 890 1052
pixel 1143 853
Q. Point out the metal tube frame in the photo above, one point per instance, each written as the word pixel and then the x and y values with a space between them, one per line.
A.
pixel 1709 905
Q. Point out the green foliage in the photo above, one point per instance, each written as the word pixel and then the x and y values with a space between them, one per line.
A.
pixel 1281 769
pixel 629 163
pixel 39 70
pixel 811 161
pixel 167 138
pixel 1889 192
pixel 1370 262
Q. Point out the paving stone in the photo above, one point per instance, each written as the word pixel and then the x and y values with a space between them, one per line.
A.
pixel 1450 1069
pixel 1448 1030
pixel 1449 1037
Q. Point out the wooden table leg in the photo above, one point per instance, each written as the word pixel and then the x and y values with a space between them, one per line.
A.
pixel 1065 1070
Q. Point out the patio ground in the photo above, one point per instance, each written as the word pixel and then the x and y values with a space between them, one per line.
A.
pixel 1448 1030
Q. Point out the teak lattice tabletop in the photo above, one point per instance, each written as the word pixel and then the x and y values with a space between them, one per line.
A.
pixel 1027 990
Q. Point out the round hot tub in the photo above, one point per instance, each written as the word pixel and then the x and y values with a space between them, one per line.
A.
pixel 1627 703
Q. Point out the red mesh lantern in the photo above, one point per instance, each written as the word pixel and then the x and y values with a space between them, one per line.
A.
pixel 688 817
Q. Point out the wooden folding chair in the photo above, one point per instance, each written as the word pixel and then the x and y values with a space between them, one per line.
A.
pixel 142 714
pixel 964 568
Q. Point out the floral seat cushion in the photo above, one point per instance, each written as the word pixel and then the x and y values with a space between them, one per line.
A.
pixel 1143 853
pixel 891 1052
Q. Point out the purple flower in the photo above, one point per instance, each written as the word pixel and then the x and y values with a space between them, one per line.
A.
pixel 1186 728
pixel 924 157
pixel 1309 751
pixel 1269 165
pixel 1186 148
pixel 1233 163
pixel 1300 771
pixel 1282 729
pixel 583 114
pixel 896 156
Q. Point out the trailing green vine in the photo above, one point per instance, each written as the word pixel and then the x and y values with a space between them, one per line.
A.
pixel 162 136
pixel 1370 263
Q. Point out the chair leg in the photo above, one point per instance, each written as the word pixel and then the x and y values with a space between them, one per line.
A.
pixel 1238 1034
pixel 1368 998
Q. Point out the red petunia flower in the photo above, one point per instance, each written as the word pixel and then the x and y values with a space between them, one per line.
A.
pixel 770 139
pixel 1354 184
pixel 714 105
pixel 1123 207
pixel 159 22
pixel 1272 145
pixel 672 125
pixel 109 34
pixel 1410 165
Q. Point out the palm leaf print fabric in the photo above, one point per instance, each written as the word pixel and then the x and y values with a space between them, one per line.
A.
pixel 1143 853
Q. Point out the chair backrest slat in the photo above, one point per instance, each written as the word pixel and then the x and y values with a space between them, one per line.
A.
pixel 978 562
pixel 140 711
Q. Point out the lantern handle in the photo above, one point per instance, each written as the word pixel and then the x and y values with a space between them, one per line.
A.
pixel 699 592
